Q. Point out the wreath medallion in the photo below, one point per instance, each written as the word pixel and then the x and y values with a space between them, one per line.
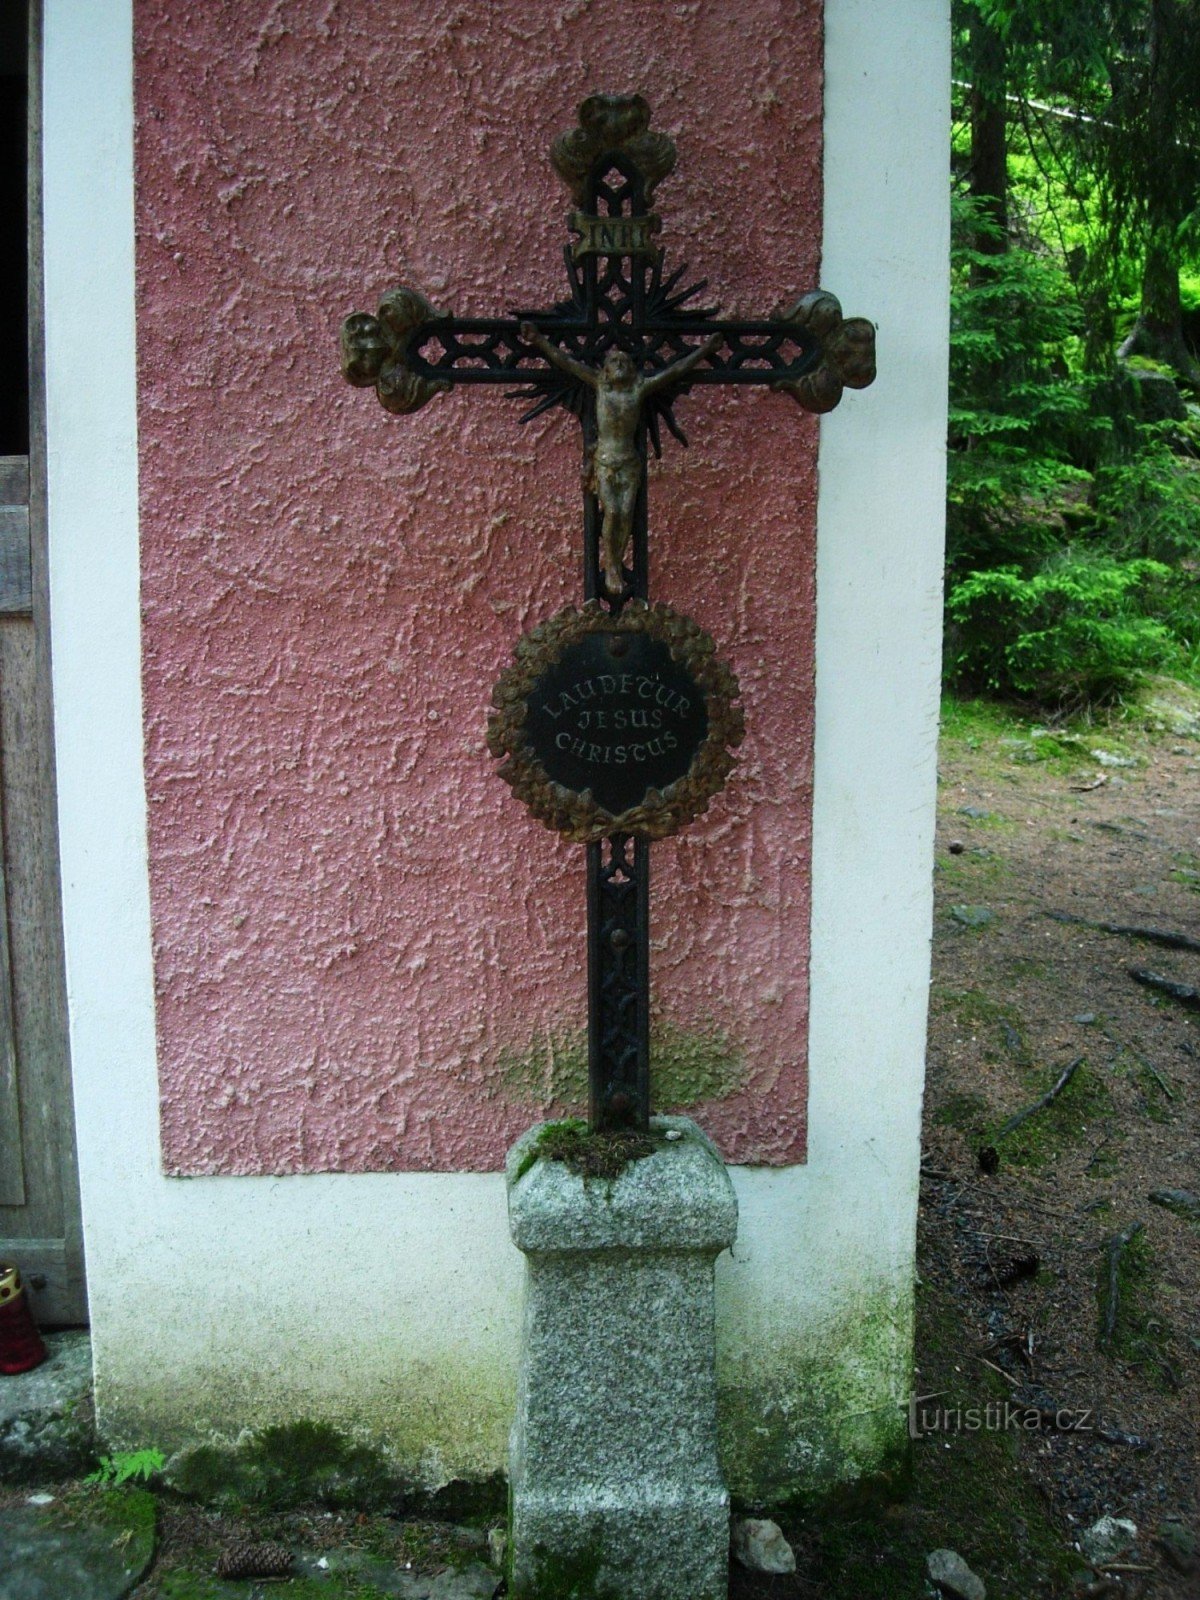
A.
pixel 620 723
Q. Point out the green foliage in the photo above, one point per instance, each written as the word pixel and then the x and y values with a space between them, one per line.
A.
pixel 125 1466
pixel 1148 503
pixel 1084 629
pixel 1073 525
pixel 1022 424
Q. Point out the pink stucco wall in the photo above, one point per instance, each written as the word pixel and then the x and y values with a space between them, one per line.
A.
pixel 359 935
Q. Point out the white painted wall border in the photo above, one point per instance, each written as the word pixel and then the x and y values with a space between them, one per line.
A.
pixel 423 1261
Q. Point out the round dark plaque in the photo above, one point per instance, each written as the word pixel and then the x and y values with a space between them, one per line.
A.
pixel 615 724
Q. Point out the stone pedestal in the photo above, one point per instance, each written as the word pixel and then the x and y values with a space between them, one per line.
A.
pixel 615 1480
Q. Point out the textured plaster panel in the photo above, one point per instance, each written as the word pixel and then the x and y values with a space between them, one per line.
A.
pixel 354 922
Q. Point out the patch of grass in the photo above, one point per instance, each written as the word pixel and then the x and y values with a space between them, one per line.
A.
pixel 978 724
pixel 1028 967
pixel 1000 1024
pixel 969 1112
pixel 1142 1338
pixel 1057 752
pixel 1153 1099
pixel 1066 1123
pixel 972 869
pixel 973 818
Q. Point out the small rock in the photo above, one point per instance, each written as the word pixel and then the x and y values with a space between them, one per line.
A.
pixel 949 1573
pixel 1106 758
pixel 976 813
pixel 475 1582
pixel 1107 1540
pixel 497 1547
pixel 1085 1017
pixel 972 916
pixel 39 1500
pixel 956 847
pixel 1177 1200
pixel 1178 1543
pixel 1157 396
pixel 673 1134
pixel 759 1545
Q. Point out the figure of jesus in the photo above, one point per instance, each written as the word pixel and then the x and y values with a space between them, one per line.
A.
pixel 613 470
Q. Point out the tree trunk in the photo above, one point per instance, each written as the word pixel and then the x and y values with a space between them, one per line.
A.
pixel 989 134
pixel 1158 331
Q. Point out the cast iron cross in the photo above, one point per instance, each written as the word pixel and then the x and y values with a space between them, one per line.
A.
pixel 617 354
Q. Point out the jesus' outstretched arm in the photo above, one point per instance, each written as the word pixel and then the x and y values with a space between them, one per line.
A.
pixel 680 369
pixel 556 357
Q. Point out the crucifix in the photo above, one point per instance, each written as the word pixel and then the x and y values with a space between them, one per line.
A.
pixel 616 722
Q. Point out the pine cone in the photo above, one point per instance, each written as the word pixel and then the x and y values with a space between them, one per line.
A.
pixel 250 1558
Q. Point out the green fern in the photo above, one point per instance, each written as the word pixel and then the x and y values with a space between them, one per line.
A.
pixel 126 1466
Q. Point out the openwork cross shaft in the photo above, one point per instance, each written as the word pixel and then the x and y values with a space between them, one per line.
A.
pixel 617 353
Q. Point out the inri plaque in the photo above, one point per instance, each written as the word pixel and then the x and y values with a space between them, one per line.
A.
pixel 616 722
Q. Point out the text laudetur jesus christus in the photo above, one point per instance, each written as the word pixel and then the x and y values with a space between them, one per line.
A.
pixel 577 705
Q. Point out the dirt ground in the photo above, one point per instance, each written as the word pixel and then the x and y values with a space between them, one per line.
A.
pixel 1099 825
pixel 1035 828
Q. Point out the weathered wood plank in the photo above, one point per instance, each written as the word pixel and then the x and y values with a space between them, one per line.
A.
pixel 14 480
pixel 16 576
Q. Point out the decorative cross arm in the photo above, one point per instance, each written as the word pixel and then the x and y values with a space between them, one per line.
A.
pixel 410 352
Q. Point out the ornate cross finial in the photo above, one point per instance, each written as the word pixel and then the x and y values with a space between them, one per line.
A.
pixel 612 125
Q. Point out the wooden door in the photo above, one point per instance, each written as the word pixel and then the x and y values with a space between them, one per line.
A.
pixel 39 1186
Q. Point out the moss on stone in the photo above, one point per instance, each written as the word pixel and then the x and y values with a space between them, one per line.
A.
pixel 591 1155
pixel 553 1070
pixel 687 1066
pixel 132 1512
pixel 565 1575
pixel 826 1412
pixel 184 1584
pixel 286 1465
pixel 472 1502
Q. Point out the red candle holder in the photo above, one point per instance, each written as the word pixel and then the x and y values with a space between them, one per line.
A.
pixel 21 1346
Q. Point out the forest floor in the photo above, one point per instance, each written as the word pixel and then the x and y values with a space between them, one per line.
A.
pixel 1081 861
pixel 1055 846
